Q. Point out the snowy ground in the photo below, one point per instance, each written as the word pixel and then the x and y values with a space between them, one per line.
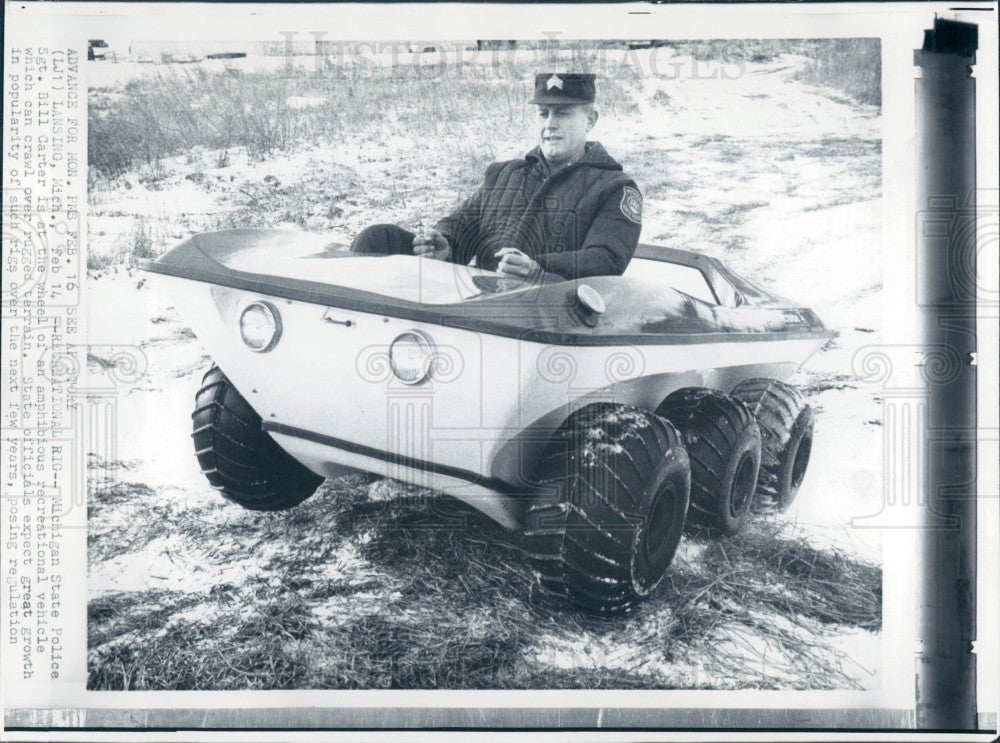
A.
pixel 373 584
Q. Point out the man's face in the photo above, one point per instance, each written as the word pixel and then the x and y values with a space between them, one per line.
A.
pixel 563 130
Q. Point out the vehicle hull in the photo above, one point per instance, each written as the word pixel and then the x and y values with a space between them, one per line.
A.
pixel 477 427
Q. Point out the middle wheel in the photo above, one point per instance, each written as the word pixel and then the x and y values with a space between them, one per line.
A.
pixel 724 446
pixel 616 483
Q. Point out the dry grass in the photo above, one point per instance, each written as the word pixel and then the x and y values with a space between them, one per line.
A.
pixel 371 584
pixel 181 109
pixel 184 108
pixel 128 249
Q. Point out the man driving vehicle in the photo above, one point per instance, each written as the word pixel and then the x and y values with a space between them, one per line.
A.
pixel 567 207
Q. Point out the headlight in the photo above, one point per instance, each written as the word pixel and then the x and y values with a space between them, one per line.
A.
pixel 411 357
pixel 260 326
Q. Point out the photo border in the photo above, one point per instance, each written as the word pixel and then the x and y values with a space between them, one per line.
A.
pixel 894 716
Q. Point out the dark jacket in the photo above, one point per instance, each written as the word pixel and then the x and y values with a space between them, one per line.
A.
pixel 580 220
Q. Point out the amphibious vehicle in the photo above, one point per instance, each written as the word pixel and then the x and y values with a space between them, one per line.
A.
pixel 598 417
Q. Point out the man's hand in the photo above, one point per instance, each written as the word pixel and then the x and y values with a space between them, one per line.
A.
pixel 431 244
pixel 515 263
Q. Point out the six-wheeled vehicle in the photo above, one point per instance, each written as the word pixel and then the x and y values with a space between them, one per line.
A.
pixel 598 417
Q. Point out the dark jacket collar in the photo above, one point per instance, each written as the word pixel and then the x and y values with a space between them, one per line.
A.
pixel 594 156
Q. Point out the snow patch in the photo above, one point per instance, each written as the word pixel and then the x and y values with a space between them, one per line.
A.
pixel 304 101
pixel 167 563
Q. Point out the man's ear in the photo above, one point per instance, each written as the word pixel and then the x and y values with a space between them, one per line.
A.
pixel 592 119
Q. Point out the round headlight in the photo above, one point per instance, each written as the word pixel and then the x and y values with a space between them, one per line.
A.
pixel 260 326
pixel 411 357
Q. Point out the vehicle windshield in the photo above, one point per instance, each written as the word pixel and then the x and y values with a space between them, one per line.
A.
pixel 687 279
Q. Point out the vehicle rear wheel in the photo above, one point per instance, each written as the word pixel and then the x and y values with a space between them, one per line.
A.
pixel 617 484
pixel 239 459
pixel 786 427
pixel 724 446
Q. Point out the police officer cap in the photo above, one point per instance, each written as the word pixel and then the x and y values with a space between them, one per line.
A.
pixel 553 88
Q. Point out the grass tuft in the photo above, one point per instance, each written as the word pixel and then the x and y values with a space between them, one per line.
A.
pixel 374 584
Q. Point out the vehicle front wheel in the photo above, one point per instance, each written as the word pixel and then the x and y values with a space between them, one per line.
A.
pixel 723 443
pixel 616 485
pixel 239 459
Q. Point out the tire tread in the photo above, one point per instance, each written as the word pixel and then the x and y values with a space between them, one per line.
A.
pixel 579 539
pixel 711 424
pixel 777 406
pixel 237 457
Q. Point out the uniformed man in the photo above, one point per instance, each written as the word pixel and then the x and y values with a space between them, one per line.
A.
pixel 566 207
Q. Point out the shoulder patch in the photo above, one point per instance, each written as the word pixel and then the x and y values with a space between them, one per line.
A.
pixel 631 205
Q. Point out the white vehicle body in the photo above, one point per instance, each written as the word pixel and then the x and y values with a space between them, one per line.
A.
pixel 475 428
